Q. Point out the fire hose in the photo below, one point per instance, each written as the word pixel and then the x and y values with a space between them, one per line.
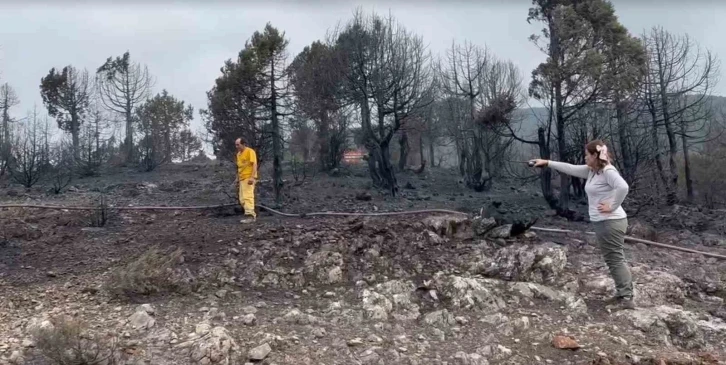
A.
pixel 348 214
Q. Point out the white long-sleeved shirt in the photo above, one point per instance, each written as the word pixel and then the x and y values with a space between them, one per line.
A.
pixel 606 186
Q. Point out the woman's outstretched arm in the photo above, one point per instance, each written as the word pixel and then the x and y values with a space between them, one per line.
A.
pixel 581 171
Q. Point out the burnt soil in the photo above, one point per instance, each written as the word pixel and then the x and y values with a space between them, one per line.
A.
pixel 57 262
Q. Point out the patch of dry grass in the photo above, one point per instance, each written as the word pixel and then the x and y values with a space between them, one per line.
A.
pixel 67 342
pixel 152 272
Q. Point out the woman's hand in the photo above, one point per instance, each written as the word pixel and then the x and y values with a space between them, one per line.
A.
pixel 251 181
pixel 604 208
pixel 538 163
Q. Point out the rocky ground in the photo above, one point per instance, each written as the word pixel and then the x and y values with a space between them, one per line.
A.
pixel 196 287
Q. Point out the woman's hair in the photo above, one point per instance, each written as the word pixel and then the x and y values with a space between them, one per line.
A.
pixel 599 149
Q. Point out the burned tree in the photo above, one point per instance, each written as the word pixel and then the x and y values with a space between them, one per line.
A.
pixel 123 86
pixel 434 123
pixel 251 98
pixel 270 48
pixel 8 99
pixel 317 76
pixel 461 74
pixel 66 95
pixel 302 143
pixel 677 92
pixel 94 149
pixel 28 152
pixel 186 145
pixel 232 110
pixel 387 74
pixel 160 119
pixel 63 165
pixel 484 91
pixel 578 39
pixel 413 92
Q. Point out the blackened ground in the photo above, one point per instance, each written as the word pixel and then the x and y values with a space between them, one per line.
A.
pixel 357 290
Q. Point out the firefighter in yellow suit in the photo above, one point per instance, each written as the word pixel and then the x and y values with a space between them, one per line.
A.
pixel 246 178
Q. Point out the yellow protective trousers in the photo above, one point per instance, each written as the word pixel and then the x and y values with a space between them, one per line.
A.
pixel 247 196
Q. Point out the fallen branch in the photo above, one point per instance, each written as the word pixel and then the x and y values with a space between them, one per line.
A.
pixel 634 239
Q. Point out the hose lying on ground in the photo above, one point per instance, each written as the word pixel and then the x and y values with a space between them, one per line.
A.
pixel 204 207
pixel 634 239
pixel 60 207
pixel 350 214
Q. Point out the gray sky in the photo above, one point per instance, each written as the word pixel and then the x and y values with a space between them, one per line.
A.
pixel 185 44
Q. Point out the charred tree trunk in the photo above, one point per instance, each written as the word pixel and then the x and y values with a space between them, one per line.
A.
pixel 474 173
pixel 578 187
pixel 97 136
pixel 564 198
pixel 5 154
pixel 461 153
pixel 556 54
pixel 276 138
pixel 404 149
pixel 546 178
pixel 129 141
pixel 167 144
pixel 421 150
pixel 369 140
pixel 488 160
pixel 656 144
pixel 380 166
pixel 75 130
pixel 626 152
pixel 686 163
pixel 379 155
pixel 389 174
pixel 336 152
pixel 373 166
pixel 6 121
pixel 324 146
pixel 672 187
pixel 431 153
pixel 462 162
pixel 672 180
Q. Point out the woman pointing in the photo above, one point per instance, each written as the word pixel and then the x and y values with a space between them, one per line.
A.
pixel 606 191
